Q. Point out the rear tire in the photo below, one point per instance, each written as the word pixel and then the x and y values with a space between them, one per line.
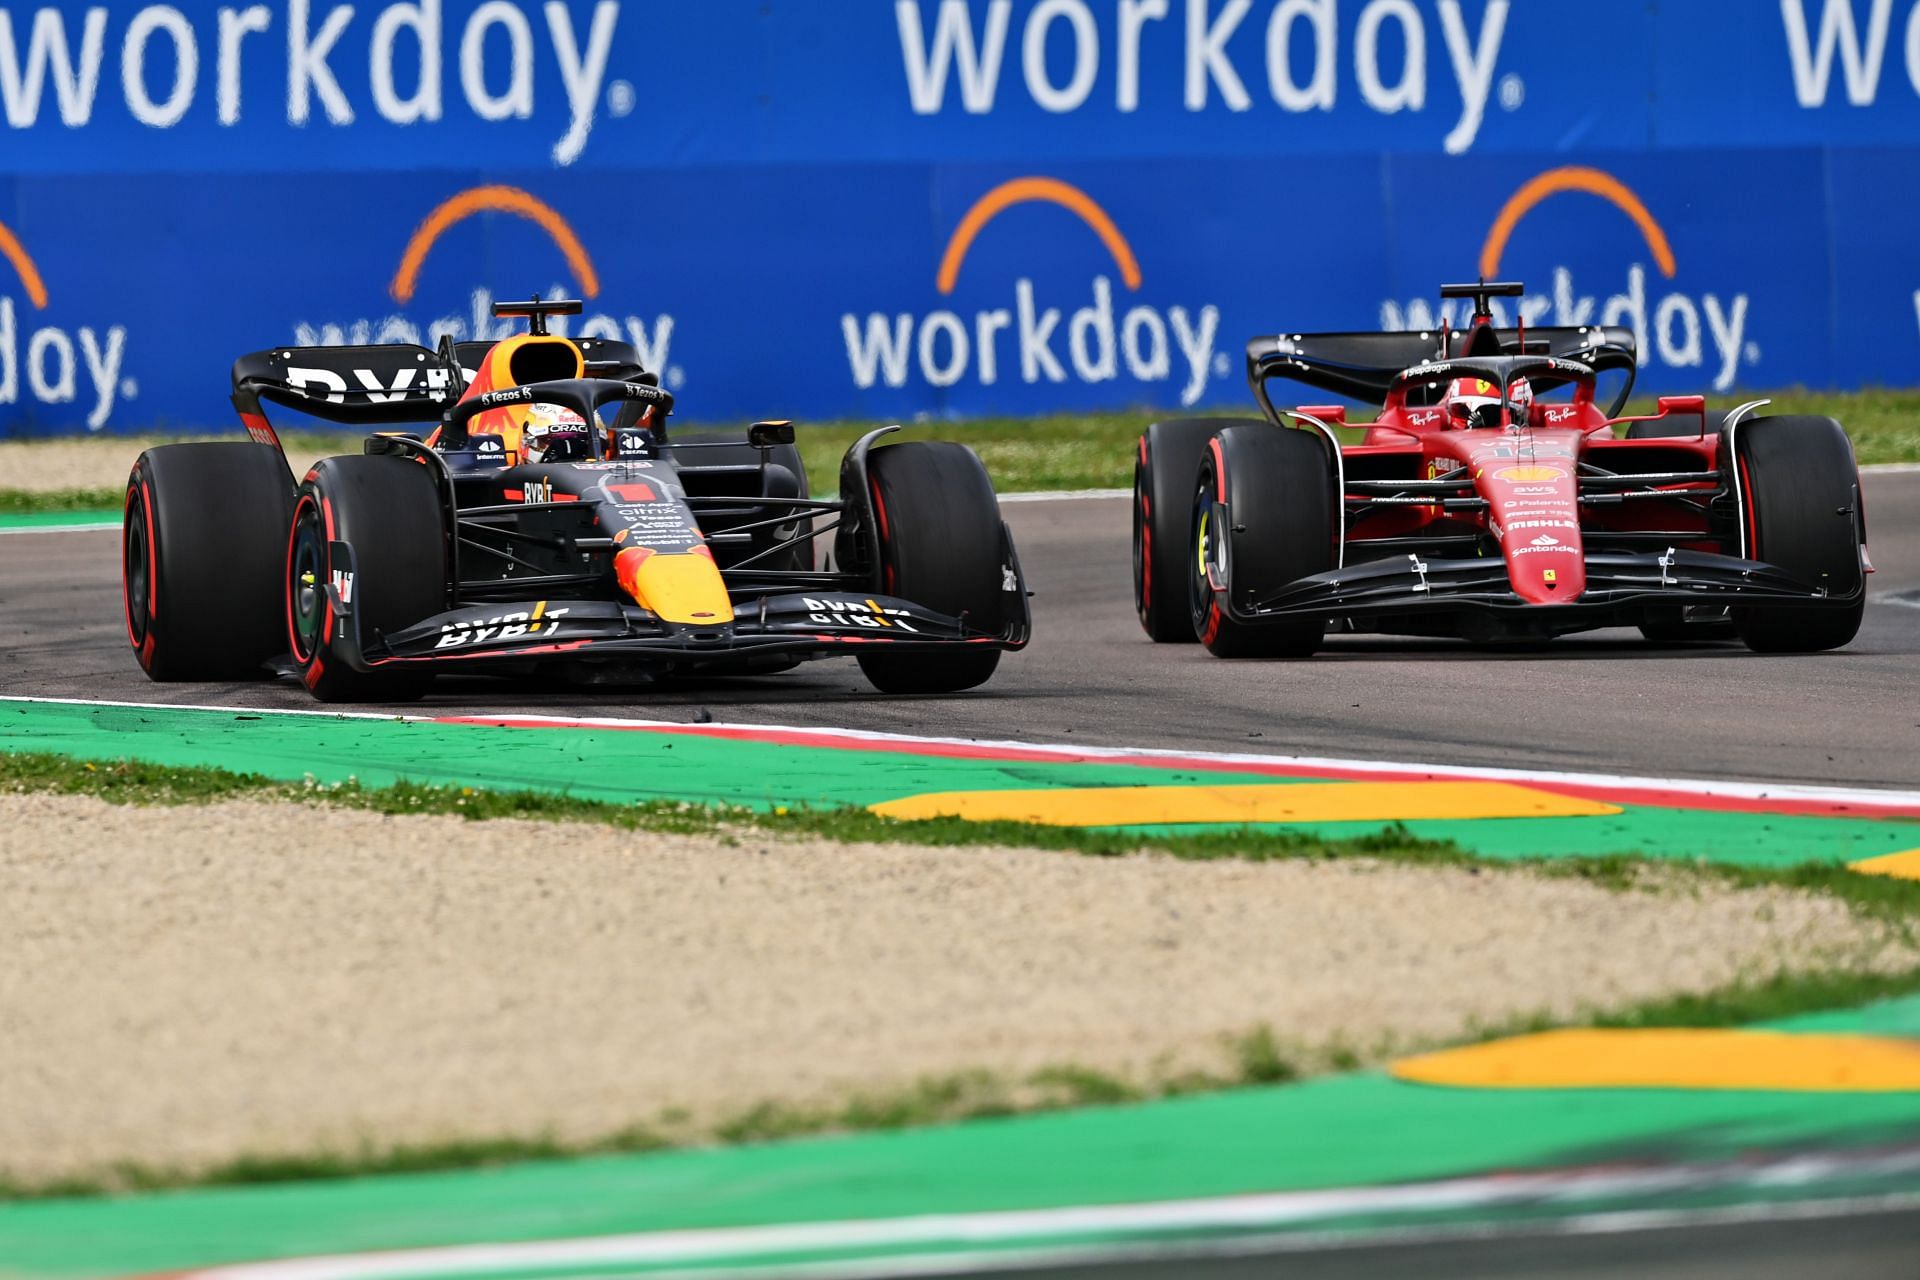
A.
pixel 1801 490
pixel 388 510
pixel 1263 516
pixel 940 546
pixel 1165 463
pixel 202 534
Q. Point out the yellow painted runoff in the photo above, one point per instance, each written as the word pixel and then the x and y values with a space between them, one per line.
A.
pixel 1674 1058
pixel 1258 802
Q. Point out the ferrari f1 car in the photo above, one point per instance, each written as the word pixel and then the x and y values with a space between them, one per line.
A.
pixel 528 531
pixel 1492 516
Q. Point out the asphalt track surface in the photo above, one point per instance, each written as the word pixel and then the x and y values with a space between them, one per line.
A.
pixel 1604 702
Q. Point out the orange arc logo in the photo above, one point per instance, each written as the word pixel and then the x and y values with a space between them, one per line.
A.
pixel 1022 191
pixel 500 199
pixel 23 266
pixel 1574 178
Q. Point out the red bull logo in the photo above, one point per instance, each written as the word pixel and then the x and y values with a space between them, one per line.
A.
pixel 652 337
pixel 49 365
pixel 1677 329
pixel 1034 340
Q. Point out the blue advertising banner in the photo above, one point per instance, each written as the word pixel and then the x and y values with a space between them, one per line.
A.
pixel 901 207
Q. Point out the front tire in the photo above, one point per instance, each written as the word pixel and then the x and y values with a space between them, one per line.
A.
pixel 1264 515
pixel 1801 497
pixel 388 510
pixel 941 539
pixel 200 548
pixel 1165 462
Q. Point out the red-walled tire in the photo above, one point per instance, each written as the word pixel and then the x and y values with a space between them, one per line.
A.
pixel 388 510
pixel 1801 501
pixel 1264 512
pixel 941 540
pixel 1164 464
pixel 202 536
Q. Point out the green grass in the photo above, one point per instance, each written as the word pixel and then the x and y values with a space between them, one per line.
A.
pixel 17 502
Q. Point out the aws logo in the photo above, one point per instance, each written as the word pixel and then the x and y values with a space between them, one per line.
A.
pixel 474 320
pixel 49 363
pixel 1678 329
pixel 1031 340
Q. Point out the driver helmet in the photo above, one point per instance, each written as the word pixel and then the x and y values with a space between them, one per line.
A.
pixel 1519 402
pixel 554 433
pixel 1472 404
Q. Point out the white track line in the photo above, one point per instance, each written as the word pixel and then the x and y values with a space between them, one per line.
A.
pixel 946 1231
pixel 1808 793
pixel 59 528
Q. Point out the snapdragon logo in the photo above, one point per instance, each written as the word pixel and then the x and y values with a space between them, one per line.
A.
pixel 168 66
pixel 474 321
pixel 1674 328
pixel 49 365
pixel 1224 49
pixel 1035 339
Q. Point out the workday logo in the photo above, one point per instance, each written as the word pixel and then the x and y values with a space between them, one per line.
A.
pixel 1677 329
pixel 49 365
pixel 1032 340
pixel 473 320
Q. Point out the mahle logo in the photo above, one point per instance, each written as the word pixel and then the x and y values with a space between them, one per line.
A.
pixel 50 364
pixel 1032 340
pixel 1677 329
pixel 652 338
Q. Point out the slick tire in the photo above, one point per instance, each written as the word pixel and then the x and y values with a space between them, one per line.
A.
pixel 941 542
pixel 1164 465
pixel 202 534
pixel 388 510
pixel 1801 503
pixel 1263 515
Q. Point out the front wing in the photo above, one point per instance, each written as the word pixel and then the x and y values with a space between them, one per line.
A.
pixel 1616 585
pixel 794 624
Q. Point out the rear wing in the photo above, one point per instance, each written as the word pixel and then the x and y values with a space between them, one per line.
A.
pixel 1364 366
pixel 385 384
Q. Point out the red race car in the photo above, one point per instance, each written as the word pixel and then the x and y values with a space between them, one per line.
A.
pixel 1491 499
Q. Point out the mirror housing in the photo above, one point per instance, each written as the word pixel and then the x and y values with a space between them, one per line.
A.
pixel 765 435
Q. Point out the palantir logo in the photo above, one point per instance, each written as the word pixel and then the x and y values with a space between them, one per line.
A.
pixel 651 338
pixel 48 362
pixel 1677 329
pixel 1041 342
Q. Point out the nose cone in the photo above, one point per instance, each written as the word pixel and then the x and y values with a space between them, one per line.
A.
pixel 1535 514
pixel 680 586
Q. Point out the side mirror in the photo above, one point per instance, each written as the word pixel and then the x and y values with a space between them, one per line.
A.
pixel 1334 415
pixel 1694 405
pixel 765 435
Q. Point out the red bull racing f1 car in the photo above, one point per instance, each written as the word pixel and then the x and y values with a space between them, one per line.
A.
pixel 1490 498
pixel 527 530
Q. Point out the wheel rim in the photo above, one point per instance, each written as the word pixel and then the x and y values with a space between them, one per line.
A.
pixel 306 581
pixel 1208 551
pixel 1142 545
pixel 137 570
